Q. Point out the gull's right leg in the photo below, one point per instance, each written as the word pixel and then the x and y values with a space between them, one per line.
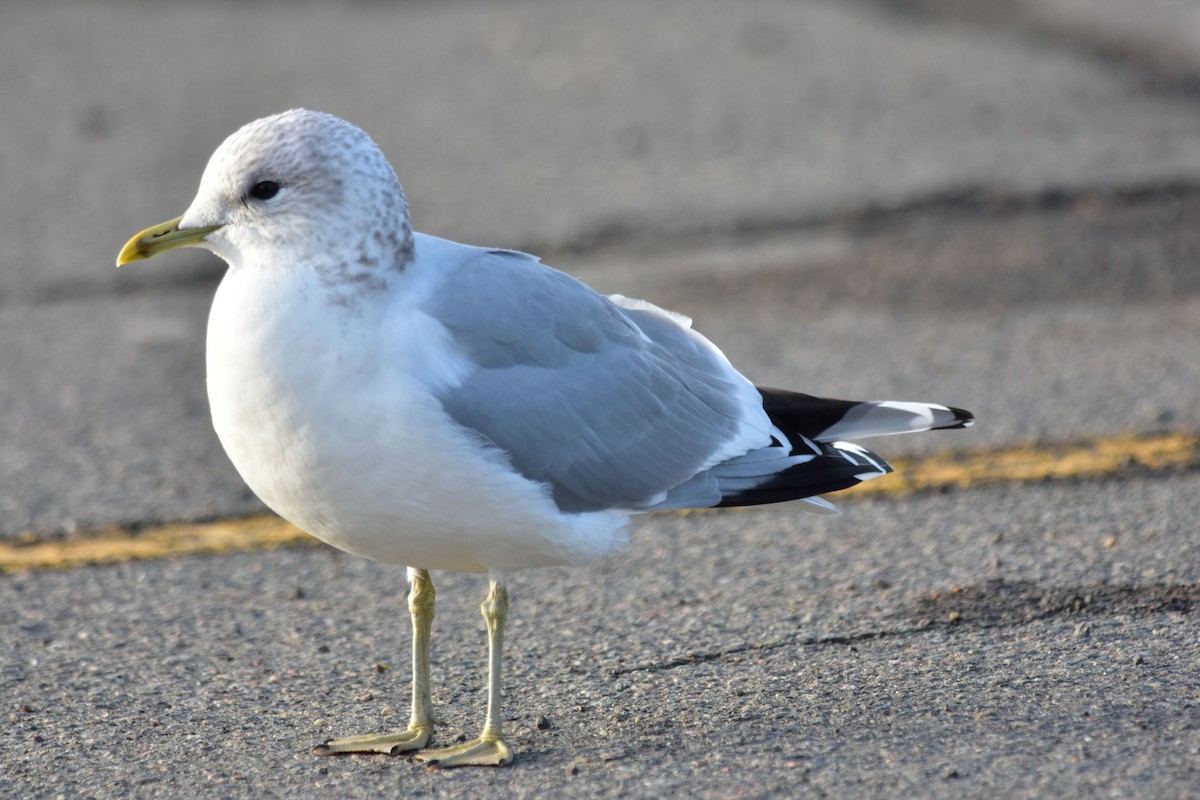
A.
pixel 420 724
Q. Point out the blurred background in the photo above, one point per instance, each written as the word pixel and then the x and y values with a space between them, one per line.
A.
pixel 990 204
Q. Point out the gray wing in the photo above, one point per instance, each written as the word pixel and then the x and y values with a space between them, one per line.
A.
pixel 610 406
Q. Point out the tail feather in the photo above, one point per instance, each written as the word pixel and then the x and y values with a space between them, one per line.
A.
pixel 829 420
pixel 811 457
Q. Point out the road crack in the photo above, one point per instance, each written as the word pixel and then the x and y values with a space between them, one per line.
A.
pixel 993 604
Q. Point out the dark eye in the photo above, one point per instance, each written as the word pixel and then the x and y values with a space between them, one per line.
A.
pixel 264 190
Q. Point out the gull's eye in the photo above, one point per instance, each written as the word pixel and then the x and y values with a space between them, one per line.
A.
pixel 264 190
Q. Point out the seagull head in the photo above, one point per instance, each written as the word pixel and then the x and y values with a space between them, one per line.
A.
pixel 297 188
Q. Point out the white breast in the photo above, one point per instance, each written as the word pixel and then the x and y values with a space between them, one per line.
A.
pixel 329 414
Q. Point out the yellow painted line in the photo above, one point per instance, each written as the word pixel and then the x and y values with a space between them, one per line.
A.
pixel 952 470
pixel 158 541
pixel 1088 459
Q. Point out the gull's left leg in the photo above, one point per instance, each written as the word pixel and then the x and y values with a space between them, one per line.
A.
pixel 489 750
pixel 420 724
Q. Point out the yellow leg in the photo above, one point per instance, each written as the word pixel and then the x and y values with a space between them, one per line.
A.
pixel 489 750
pixel 420 725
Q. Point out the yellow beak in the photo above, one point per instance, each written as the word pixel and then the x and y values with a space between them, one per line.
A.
pixel 160 239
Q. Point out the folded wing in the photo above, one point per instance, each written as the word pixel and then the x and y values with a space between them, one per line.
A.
pixel 615 403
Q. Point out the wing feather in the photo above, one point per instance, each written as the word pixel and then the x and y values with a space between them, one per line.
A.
pixel 611 403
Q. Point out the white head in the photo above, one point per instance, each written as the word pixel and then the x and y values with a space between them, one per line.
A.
pixel 295 189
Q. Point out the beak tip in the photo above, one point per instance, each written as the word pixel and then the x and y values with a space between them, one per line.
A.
pixel 132 251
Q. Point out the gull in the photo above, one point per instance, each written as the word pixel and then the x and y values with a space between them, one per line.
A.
pixel 431 404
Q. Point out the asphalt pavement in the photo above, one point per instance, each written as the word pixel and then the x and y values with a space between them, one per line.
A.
pixel 989 205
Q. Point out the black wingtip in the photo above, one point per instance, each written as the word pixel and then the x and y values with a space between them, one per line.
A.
pixel 962 419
